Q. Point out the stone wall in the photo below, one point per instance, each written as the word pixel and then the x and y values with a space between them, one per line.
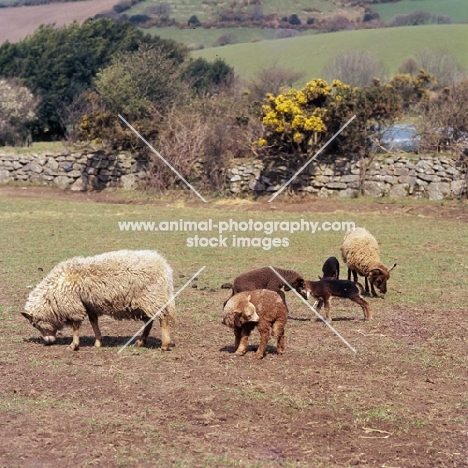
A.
pixel 435 177
pixel 74 171
pixel 430 177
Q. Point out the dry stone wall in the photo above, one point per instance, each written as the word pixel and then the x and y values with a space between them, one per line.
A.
pixel 74 171
pixel 430 177
pixel 436 177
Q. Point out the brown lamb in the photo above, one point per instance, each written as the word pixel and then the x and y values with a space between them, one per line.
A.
pixel 325 289
pixel 261 308
pixel 265 278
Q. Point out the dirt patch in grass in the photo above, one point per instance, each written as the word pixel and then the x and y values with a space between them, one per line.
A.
pixel 400 401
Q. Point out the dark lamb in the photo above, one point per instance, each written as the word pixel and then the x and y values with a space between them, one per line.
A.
pixel 325 289
pixel 331 268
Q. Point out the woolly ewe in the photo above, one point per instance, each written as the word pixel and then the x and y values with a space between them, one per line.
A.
pixel 123 284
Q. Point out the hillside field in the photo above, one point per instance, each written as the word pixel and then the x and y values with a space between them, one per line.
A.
pixel 310 53
pixel 399 401
pixel 456 9
pixel 18 22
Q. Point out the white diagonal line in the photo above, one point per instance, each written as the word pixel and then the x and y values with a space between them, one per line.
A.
pixel 312 308
pixel 162 159
pixel 161 309
pixel 312 158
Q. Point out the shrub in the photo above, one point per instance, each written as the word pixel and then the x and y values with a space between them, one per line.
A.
pixel 17 112
pixel 226 39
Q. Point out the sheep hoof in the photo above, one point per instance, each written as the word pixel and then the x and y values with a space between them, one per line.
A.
pixel 139 343
pixel 259 355
pixel 97 344
pixel 74 347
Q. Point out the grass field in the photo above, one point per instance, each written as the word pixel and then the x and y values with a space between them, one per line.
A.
pixel 208 37
pixel 399 401
pixel 310 53
pixel 456 9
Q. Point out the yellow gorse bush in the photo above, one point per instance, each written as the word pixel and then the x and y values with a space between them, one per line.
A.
pixel 296 119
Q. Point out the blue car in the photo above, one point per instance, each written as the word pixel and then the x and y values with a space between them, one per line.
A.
pixel 398 137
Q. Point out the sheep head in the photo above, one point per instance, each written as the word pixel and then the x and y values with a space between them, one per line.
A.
pixel 242 312
pixel 47 330
pixel 379 277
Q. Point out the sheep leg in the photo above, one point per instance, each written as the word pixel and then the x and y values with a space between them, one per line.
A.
pixel 365 306
pixel 319 303
pixel 165 333
pixel 75 344
pixel 366 284
pixel 374 294
pixel 244 338
pixel 93 319
pixel 264 337
pixel 327 309
pixel 237 337
pixel 278 332
pixel 146 331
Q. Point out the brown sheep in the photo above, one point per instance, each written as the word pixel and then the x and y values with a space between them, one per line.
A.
pixel 360 251
pixel 263 309
pixel 265 278
pixel 325 289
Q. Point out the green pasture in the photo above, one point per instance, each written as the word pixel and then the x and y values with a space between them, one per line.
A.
pixel 456 9
pixel 202 38
pixel 36 234
pixel 309 53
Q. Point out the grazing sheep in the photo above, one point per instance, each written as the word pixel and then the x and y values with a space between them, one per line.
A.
pixel 261 308
pixel 360 251
pixel 331 268
pixel 265 278
pixel 325 289
pixel 124 284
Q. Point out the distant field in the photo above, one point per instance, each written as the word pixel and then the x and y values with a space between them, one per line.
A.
pixel 208 37
pixel 456 9
pixel 310 53
pixel 16 23
pixel 181 10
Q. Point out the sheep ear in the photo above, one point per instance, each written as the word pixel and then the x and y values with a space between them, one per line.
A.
pixel 28 316
pixel 249 297
pixel 393 266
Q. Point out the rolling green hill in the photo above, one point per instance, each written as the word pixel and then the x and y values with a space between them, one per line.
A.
pixel 456 9
pixel 309 53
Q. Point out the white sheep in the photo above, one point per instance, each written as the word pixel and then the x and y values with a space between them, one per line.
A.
pixel 360 251
pixel 125 284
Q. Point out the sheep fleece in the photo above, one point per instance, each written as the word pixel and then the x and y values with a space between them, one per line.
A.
pixel 360 251
pixel 124 285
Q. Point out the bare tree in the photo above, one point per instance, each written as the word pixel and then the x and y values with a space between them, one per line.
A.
pixel 444 125
pixel 271 79
pixel 443 65
pixel 355 68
